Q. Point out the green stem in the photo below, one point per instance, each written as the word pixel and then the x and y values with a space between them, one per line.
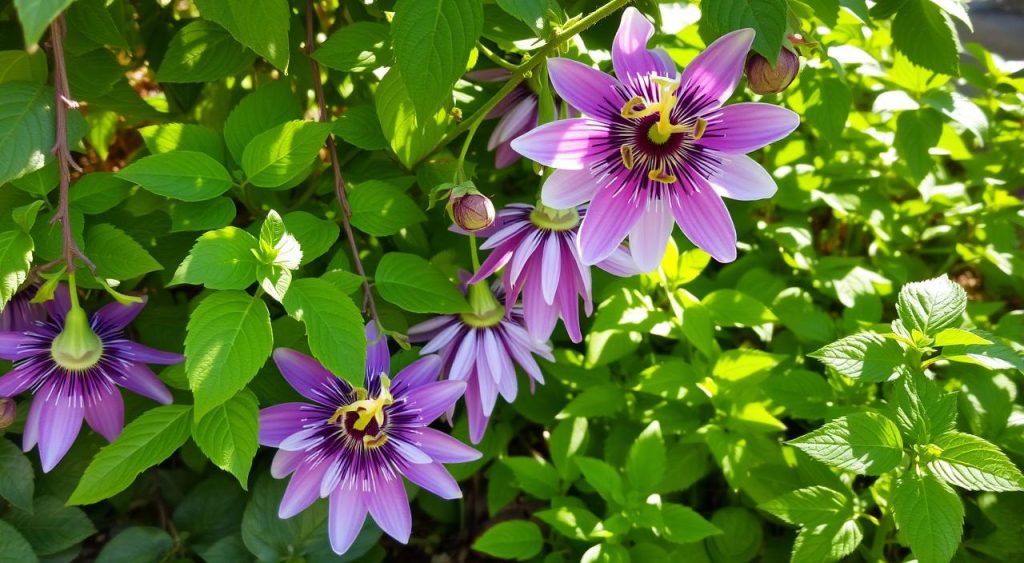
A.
pixel 881 534
pixel 520 72
pixel 473 253
pixel 460 173
pixel 494 58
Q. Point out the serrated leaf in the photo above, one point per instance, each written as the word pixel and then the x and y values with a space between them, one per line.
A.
pixel 811 506
pixel 203 51
pixel 16 547
pixel 866 356
pixel 333 324
pixel 17 480
pixel 930 516
pixel 117 255
pixel 410 136
pixel 182 175
pixel 681 524
pixel 512 539
pixel 268 106
pixel 229 339
pixel 927 36
pixel 202 215
pixel 865 442
pixel 98 192
pixel 357 47
pixel 432 42
pixel 23 66
pixel 831 541
pixel 958 337
pixel 416 285
pixel 51 527
pixel 645 464
pixel 261 25
pixel 315 235
pixel 380 209
pixel 169 137
pixel 974 464
pixel 15 261
pixel 534 13
pixel 359 126
pixel 146 441
pixel 535 476
pixel 35 16
pixel 573 522
pixel 921 410
pixel 276 155
pixel 604 478
pixel 92 18
pixel 228 435
pixel 221 259
pixel 994 356
pixel 916 132
pixel 766 17
pixel 26 128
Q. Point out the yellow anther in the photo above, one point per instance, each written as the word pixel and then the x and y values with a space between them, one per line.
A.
pixel 702 125
pixel 666 104
pixel 367 409
pixel 658 175
pixel 629 110
pixel 375 441
pixel 627 157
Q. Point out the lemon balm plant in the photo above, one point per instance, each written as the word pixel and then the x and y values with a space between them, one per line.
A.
pixel 230 208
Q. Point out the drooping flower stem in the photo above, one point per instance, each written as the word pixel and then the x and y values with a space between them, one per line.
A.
pixel 520 72
pixel 339 181
pixel 62 103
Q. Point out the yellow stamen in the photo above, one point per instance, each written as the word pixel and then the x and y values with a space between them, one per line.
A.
pixel 627 157
pixel 658 175
pixel 367 409
pixel 629 110
pixel 666 104
pixel 702 124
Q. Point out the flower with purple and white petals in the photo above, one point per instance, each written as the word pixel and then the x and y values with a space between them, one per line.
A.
pixel 74 366
pixel 654 147
pixel 536 246
pixel 483 348
pixel 353 445
pixel 20 313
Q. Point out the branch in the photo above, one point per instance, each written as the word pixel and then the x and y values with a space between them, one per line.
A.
pixel 339 181
pixel 65 162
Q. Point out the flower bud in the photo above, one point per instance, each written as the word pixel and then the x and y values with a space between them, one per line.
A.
pixel 8 410
pixel 472 211
pixel 765 79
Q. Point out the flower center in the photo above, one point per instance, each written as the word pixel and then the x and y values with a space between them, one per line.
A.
pixel 661 131
pixel 485 311
pixel 76 348
pixel 364 419
pixel 552 219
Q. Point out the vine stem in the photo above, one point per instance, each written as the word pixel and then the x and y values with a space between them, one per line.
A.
pixel 339 181
pixel 65 163
pixel 520 72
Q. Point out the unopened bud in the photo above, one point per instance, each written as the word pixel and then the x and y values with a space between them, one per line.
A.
pixel 763 78
pixel 472 211
pixel 8 410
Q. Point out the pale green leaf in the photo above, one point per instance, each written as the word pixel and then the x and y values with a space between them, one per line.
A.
pixel 334 326
pixel 268 106
pixel 865 442
pixel 357 47
pixel 117 255
pixel 416 285
pixel 261 25
pixel 275 156
pixel 645 464
pixel 512 539
pixel 381 209
pixel 221 259
pixel 866 356
pixel 930 516
pixel 228 434
pixel 202 51
pixel 183 175
pixel 974 464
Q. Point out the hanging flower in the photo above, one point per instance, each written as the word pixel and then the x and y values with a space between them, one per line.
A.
pixel 353 445
pixel 74 365
pixel 655 148
pixel 482 348
pixel 537 248
pixel 20 313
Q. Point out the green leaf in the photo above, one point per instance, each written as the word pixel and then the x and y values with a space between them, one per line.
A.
pixel 137 544
pixel 959 337
pixel 25 216
pixel 534 13
pixel 927 36
pixel 15 261
pixel 117 255
pixel 812 506
pixel 169 137
pixel 183 175
pixel 335 327
pixel 829 102
pixel 278 154
pixel 36 15
pixel 645 465
pixel 26 128
pixel 970 462
pixel 921 410
pixel 266 107
pixel 380 209
pixel 92 75
pixel 604 478
pixel 916 132
pixel 315 235
pixel 228 435
pixel 229 339
pixel 146 441
pixel 416 285
pixel 534 475
pixel 831 541
pixel 512 539
pixel 261 25
pixel 98 192
pixel 410 136
pixel 865 442
pixel 360 127
pixel 681 524
pixel 433 41
pixel 16 547
pixel 51 527
pixel 357 47
pixel 23 66
pixel 573 522
pixel 930 516
pixel 729 307
pixel 596 401
pixel 93 19
pixel 766 17
pixel 17 480
pixel 866 356
pixel 221 259
pixel 202 215
pixel 568 439
pixel 993 356
pixel 203 51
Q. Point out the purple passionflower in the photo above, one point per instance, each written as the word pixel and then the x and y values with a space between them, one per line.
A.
pixel 20 314
pixel 536 246
pixel 74 364
pixel 482 349
pixel 654 147
pixel 353 445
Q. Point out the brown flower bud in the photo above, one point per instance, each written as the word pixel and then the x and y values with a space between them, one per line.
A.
pixel 8 410
pixel 765 79
pixel 472 211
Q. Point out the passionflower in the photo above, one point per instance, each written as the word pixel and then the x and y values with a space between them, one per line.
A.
pixel 74 363
pixel 655 148
pixel 536 246
pixel 20 313
pixel 353 445
pixel 482 348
